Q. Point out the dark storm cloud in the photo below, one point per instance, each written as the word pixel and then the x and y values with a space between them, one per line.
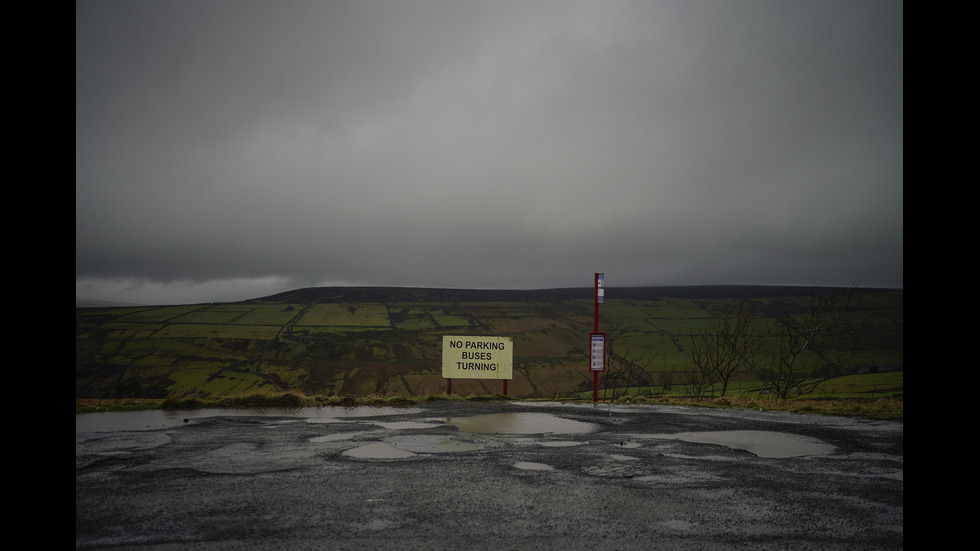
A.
pixel 241 148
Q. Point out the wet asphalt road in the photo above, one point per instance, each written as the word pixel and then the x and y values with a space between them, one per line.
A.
pixel 501 476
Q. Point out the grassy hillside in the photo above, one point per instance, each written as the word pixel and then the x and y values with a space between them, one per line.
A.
pixel 337 341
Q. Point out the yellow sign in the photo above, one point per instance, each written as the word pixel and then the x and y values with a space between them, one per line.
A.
pixel 477 357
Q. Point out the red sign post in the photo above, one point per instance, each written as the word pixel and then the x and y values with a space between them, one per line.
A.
pixel 597 340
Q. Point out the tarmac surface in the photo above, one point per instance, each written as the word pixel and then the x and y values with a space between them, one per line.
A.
pixel 476 475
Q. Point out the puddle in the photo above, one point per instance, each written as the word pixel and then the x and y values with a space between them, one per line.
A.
pixel 520 423
pixel 378 450
pixel 406 446
pixel 341 436
pixel 700 457
pixel 436 444
pixel 623 457
pixel 114 421
pixel 164 419
pixel 401 425
pixel 760 443
pixel 348 412
pixel 328 415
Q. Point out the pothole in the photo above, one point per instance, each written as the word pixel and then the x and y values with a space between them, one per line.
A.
pixel 412 445
pixel 437 444
pixel 378 450
pixel 520 423
pixel 341 436
pixel 760 443
pixel 617 469
pixel 404 425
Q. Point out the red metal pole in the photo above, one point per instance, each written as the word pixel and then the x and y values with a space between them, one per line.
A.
pixel 505 387
pixel 449 387
pixel 595 299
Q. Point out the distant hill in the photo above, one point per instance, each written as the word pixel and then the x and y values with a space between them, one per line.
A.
pixel 89 303
pixel 387 340
pixel 387 294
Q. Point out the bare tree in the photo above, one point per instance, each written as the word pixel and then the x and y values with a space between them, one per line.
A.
pixel 666 380
pixel 798 359
pixel 724 348
pixel 622 372
pixel 700 381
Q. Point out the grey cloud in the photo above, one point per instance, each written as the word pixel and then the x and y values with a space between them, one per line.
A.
pixel 489 144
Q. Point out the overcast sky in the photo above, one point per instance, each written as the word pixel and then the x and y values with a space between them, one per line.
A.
pixel 231 149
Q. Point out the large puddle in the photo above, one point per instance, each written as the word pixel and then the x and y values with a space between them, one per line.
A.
pixel 520 423
pixel 378 450
pixel 162 419
pixel 760 443
pixel 407 446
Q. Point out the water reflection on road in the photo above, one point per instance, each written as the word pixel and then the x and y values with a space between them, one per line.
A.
pixel 759 443
pixel 521 423
pixel 156 419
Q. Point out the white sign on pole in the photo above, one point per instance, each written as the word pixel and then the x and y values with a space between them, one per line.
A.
pixel 479 357
pixel 598 352
pixel 600 288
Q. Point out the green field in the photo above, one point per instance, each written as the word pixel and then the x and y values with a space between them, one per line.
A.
pixel 363 341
